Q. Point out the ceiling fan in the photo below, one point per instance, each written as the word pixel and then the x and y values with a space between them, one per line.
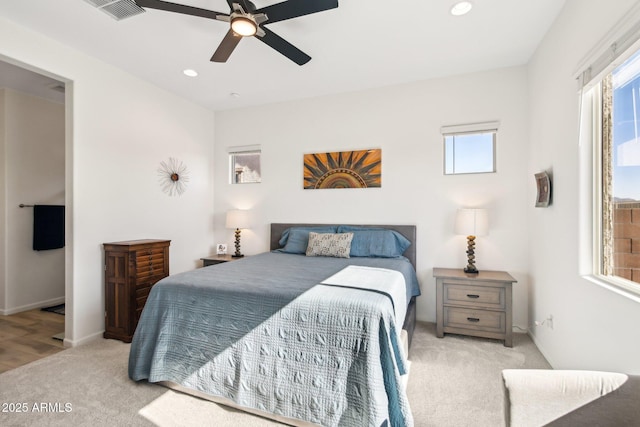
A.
pixel 247 21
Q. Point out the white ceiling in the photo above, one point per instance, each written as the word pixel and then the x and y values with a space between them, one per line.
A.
pixel 360 45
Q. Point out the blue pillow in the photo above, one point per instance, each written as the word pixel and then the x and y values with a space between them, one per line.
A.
pixel 295 240
pixel 375 242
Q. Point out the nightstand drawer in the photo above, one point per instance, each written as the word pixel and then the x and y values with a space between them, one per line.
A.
pixel 217 259
pixel 474 296
pixel 477 320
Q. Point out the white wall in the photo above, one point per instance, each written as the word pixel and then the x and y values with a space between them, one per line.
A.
pixel 34 174
pixel 405 122
pixel 593 328
pixel 121 128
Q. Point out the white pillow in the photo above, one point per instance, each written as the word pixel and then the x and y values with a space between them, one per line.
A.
pixel 329 244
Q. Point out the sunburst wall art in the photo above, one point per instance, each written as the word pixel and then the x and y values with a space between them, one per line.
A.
pixel 173 177
pixel 344 169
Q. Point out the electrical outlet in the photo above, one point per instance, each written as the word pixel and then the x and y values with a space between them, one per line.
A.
pixel 548 321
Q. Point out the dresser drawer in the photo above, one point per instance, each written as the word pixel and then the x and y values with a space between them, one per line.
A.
pixel 477 320
pixel 149 264
pixel 474 296
pixel 143 289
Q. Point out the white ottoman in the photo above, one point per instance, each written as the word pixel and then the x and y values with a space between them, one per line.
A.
pixel 536 397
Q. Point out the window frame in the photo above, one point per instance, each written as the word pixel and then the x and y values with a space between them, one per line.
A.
pixel 592 263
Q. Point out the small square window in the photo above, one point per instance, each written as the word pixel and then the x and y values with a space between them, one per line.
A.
pixel 469 148
pixel 470 153
pixel 244 167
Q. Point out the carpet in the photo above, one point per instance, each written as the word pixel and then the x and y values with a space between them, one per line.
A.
pixel 454 381
pixel 58 309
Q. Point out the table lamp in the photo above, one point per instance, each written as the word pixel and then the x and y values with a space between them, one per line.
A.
pixel 237 219
pixel 471 223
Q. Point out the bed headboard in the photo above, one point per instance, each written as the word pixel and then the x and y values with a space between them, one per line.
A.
pixel 408 231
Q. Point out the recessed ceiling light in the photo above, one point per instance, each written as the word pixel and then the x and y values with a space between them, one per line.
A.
pixel 189 72
pixel 461 8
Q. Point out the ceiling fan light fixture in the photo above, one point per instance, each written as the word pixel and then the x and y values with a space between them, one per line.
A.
pixel 461 8
pixel 243 26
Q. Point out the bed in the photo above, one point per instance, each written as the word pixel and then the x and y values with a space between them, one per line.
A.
pixel 305 340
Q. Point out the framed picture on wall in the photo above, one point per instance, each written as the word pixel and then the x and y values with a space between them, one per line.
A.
pixel 543 186
pixel 343 169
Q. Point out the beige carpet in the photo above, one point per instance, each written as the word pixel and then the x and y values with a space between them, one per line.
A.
pixel 454 381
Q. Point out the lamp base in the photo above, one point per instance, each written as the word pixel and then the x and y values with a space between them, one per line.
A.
pixel 237 244
pixel 471 257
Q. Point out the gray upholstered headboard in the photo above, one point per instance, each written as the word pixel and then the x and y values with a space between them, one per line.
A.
pixel 408 231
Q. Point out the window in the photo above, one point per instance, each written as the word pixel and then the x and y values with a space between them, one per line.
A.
pixel 469 148
pixel 244 164
pixel 610 152
pixel 620 154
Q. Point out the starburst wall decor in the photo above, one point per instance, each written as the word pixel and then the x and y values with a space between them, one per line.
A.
pixel 174 176
pixel 344 169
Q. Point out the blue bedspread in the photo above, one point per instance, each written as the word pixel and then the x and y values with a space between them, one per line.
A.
pixel 264 333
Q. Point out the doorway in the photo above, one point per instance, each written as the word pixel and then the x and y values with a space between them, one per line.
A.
pixel 33 160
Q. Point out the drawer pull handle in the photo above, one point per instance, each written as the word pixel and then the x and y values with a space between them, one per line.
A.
pixel 473 319
pixel 473 296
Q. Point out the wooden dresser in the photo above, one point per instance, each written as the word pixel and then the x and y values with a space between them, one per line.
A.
pixel 474 304
pixel 131 268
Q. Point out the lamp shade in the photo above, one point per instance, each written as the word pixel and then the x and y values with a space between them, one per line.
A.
pixel 238 219
pixel 472 222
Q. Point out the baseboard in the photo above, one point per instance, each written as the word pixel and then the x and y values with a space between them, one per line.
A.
pixel 520 329
pixel 74 343
pixel 39 304
pixel 541 348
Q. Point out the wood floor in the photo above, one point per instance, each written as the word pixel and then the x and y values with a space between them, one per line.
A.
pixel 27 336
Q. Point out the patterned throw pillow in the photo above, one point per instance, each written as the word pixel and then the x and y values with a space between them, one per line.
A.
pixel 329 244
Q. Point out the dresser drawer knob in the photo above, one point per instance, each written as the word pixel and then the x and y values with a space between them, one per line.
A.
pixel 473 296
pixel 473 319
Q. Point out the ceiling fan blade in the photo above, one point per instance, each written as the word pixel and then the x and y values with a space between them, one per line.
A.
pixel 226 47
pixel 181 8
pixel 284 47
pixel 294 8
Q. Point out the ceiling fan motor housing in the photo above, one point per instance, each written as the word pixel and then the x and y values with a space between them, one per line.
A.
pixel 246 24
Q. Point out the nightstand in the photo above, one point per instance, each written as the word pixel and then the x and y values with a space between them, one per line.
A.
pixel 217 259
pixel 474 304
